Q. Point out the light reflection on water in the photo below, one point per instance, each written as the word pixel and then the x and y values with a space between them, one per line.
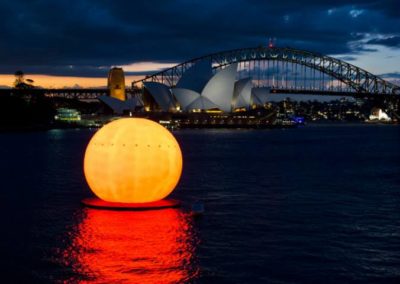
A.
pixel 132 247
pixel 319 204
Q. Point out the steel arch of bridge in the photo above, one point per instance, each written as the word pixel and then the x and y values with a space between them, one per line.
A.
pixel 360 81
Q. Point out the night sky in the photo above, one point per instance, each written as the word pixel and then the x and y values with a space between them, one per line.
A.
pixel 85 38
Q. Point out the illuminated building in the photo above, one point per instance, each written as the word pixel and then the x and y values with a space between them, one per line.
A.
pixel 116 83
pixel 217 93
pixel 196 77
pixel 67 115
pixel 191 83
pixel 200 90
pixel 378 114
pixel 260 95
pixel 162 95
pixel 242 94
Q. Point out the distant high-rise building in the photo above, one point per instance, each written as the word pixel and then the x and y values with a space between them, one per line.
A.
pixel 116 83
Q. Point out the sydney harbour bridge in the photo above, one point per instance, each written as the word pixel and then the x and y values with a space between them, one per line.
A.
pixel 288 70
pixel 281 69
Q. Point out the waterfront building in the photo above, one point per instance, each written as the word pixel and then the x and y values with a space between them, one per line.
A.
pixel 67 115
pixel 200 90
pixel 196 77
pixel 162 96
pixel 377 114
pixel 242 94
pixel 120 107
pixel 260 95
pixel 217 93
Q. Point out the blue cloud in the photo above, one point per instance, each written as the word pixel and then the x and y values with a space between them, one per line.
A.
pixel 48 36
pixel 391 41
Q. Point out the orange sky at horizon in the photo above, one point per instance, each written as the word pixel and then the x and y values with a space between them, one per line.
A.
pixel 53 81
pixel 50 81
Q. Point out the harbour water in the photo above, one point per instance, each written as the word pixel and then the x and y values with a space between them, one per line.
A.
pixel 318 204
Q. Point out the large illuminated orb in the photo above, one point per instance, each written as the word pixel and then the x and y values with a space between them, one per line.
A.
pixel 132 161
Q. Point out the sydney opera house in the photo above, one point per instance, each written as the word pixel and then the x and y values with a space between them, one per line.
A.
pixel 199 90
pixel 203 97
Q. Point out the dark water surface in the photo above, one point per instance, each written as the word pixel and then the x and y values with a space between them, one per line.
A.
pixel 319 204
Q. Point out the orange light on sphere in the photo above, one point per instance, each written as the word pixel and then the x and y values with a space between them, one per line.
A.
pixel 132 160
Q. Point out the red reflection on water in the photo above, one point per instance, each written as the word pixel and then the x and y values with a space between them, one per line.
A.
pixel 132 247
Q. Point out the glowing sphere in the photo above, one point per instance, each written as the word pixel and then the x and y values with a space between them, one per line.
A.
pixel 132 160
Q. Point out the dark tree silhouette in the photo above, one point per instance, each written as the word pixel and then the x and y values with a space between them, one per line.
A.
pixel 19 78
pixel 21 82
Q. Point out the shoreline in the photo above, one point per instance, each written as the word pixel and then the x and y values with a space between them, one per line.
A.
pixel 41 128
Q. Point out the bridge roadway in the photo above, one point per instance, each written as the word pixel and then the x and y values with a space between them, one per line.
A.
pixel 93 94
pixel 80 94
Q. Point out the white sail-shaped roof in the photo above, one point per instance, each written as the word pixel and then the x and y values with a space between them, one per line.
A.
pixel 196 77
pixel 134 102
pixel 202 103
pixel 260 95
pixel 217 93
pixel 242 93
pixel 119 106
pixel 161 94
pixel 185 96
pixel 219 89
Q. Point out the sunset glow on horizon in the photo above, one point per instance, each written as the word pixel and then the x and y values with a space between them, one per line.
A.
pixel 65 81
pixel 51 81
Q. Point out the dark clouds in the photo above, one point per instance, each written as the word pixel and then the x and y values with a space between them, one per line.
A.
pixel 392 41
pixel 86 37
